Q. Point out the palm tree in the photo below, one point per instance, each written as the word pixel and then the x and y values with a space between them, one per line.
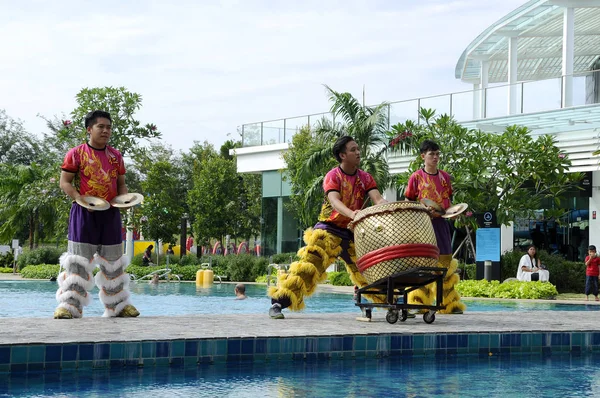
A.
pixel 367 125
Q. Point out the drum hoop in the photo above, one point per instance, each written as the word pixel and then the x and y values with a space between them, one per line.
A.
pixel 391 253
pixel 362 215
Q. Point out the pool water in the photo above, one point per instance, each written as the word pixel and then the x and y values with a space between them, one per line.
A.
pixel 459 376
pixel 34 299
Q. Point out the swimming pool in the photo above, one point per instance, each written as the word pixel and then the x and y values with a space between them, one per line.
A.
pixel 464 376
pixel 33 299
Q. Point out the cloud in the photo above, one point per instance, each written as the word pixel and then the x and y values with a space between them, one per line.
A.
pixel 204 68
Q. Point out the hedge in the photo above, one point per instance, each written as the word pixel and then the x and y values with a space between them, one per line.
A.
pixel 41 271
pixel 339 278
pixel 510 289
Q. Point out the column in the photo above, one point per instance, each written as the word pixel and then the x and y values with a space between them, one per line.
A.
pixel 594 230
pixel 567 56
pixel 507 236
pixel 485 67
pixel 476 101
pixel 512 75
pixel 390 194
pixel 279 224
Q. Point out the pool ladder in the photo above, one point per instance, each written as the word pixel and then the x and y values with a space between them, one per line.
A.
pixel 273 277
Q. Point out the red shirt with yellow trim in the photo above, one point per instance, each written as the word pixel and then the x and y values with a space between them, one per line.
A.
pixel 98 169
pixel 353 190
pixel 437 187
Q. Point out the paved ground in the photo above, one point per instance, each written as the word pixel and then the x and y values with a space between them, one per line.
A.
pixel 97 329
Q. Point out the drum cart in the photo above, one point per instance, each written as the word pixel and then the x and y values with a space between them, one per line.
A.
pixel 398 286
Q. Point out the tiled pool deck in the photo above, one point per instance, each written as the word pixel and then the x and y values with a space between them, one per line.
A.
pixel 34 344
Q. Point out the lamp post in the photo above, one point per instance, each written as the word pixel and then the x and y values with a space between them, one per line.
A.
pixel 182 250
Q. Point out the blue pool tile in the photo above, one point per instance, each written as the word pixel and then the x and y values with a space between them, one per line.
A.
pixel 311 345
pixel 299 344
pixel 576 339
pixel 537 339
pixel 473 340
pixel 234 347
pixel 177 349
pixel 372 343
pixel 116 351
pixel 66 365
pixel 565 339
pixel 360 343
pixel 191 348
pixel 462 340
pixel 220 346
pixel 260 346
pixel 69 352
pixel 324 344
pixel 407 342
pixel 191 361
pixel 555 339
pixel 101 352
pixel 452 341
pixel 4 355
pixel 494 341
pixel 595 338
pixel 148 350
pixel 441 341
pixel 177 361
pixel 86 352
pixel 505 340
pixel 116 363
pixel 396 342
pixel 82 364
pixel 35 366
pixel 132 351
pixel 348 343
pixel 163 361
pixel 53 353
pixel 274 346
pixel 162 349
pixel 336 343
pixel 18 367
pixel 132 362
pixel 52 366
pixel 484 341
pixel 418 342
pixel 247 346
pixel 36 354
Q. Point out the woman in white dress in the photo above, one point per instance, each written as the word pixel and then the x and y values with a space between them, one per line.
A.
pixel 530 266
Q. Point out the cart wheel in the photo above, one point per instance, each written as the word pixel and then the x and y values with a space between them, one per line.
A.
pixel 392 316
pixel 429 317
pixel 404 315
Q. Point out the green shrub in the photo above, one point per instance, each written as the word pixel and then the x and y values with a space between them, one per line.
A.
pixel 261 279
pixel 41 271
pixel 284 258
pixel 6 270
pixel 6 260
pixel 511 289
pixel 339 278
pixel 43 255
pixel 186 272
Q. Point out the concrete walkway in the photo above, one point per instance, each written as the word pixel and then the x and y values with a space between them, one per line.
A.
pixel 97 329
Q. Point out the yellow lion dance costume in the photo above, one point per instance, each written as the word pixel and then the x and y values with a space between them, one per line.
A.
pixel 426 295
pixel 321 250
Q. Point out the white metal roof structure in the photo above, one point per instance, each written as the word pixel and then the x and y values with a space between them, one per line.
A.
pixel 538 25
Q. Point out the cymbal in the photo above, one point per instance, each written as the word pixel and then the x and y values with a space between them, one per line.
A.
pixel 93 203
pixel 434 205
pixel 127 200
pixel 456 210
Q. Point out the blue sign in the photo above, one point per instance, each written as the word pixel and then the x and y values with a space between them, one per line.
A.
pixel 488 244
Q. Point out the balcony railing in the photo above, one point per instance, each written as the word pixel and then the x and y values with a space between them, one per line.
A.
pixel 465 106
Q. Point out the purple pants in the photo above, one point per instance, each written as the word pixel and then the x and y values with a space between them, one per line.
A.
pixel 95 227
pixel 442 235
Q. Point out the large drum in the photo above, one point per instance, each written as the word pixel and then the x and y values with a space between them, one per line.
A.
pixel 393 237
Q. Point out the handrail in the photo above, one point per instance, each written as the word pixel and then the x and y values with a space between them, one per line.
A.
pixel 482 90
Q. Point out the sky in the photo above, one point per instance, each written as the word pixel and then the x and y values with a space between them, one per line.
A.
pixel 204 68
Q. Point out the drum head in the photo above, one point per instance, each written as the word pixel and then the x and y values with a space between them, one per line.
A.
pixel 127 200
pixel 434 205
pixel 454 211
pixel 93 203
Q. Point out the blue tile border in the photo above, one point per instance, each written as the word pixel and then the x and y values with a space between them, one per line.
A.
pixel 40 357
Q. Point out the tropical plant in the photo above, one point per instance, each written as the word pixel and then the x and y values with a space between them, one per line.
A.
pixel 511 173
pixel 310 155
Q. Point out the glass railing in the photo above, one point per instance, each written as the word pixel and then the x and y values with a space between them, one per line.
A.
pixel 465 106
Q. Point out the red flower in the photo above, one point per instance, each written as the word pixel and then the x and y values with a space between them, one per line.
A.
pixel 561 155
pixel 67 123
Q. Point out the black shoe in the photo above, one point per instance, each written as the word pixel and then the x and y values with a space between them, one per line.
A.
pixel 275 311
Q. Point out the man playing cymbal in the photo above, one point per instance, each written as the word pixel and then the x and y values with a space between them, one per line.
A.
pixel 94 236
pixel 434 188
